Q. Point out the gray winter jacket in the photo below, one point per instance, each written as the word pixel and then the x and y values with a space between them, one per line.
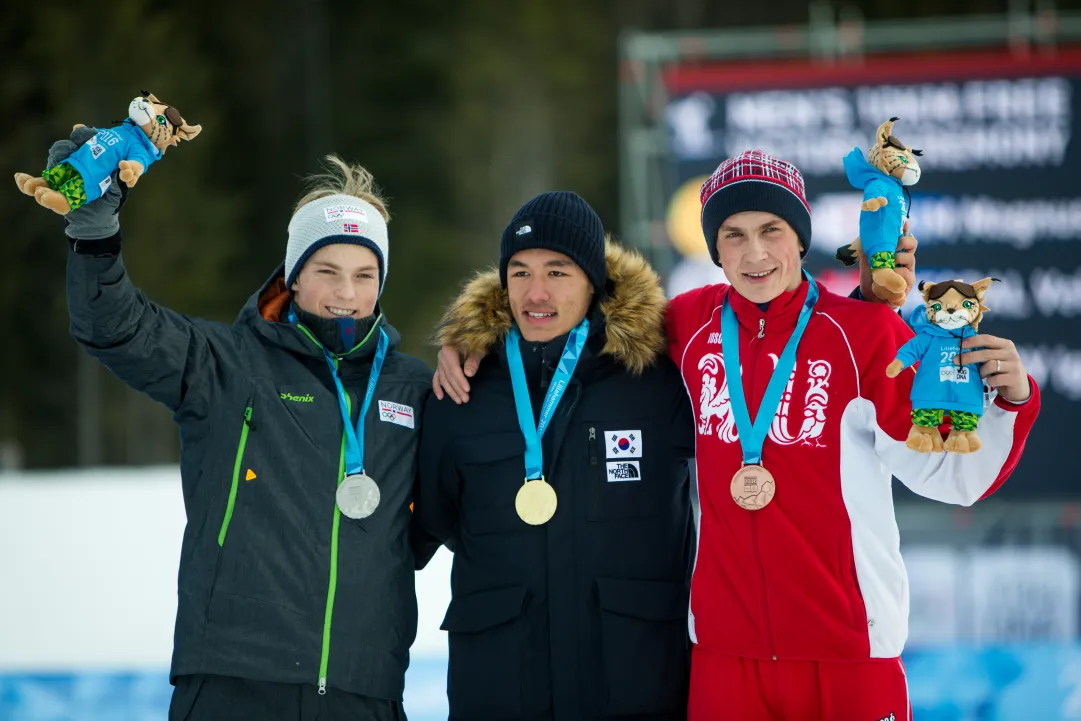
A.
pixel 275 584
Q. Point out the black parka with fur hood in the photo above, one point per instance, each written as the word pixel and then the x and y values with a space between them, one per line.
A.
pixel 584 617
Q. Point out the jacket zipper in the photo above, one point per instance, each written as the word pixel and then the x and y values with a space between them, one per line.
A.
pixel 236 471
pixel 324 658
pixel 332 587
pixel 754 515
pixel 765 588
pixel 596 487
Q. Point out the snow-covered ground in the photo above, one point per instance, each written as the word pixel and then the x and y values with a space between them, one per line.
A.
pixel 88 564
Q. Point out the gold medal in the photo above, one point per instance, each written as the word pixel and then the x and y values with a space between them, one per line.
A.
pixel 753 487
pixel 536 502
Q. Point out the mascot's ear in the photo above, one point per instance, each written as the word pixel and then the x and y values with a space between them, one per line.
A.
pixel 188 132
pixel 925 288
pixel 981 286
pixel 884 132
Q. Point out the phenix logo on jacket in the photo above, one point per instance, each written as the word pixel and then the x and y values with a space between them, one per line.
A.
pixel 817 574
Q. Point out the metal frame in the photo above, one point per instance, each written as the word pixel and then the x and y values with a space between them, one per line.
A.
pixel 828 36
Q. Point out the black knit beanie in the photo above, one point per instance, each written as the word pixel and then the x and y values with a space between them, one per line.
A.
pixel 562 221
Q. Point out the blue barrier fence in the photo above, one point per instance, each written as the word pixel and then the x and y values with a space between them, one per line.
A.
pixel 1001 683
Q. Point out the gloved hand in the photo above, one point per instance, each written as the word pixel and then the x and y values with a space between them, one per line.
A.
pixel 100 218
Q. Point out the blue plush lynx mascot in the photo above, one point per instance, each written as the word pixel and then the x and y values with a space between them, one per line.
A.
pixel 128 150
pixel 890 167
pixel 953 312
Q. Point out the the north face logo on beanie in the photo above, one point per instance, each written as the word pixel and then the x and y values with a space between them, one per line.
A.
pixel 561 221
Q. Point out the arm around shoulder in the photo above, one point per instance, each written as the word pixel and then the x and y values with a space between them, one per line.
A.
pixel 437 488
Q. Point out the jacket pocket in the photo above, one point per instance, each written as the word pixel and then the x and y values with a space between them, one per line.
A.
pixel 492 469
pixel 645 650
pixel 231 488
pixel 629 478
pixel 486 633
pixel 308 406
pixel 245 424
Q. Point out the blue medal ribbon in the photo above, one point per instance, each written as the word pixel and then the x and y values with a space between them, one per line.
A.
pixel 354 438
pixel 752 436
pixel 572 351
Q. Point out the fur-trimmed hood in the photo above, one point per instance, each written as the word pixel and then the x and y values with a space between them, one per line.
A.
pixel 478 320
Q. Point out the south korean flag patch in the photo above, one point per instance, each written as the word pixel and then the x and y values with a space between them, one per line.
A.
pixel 623 444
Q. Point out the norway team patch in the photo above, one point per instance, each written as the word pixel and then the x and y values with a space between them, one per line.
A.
pixel 623 444
pixel 396 413
pixel 351 213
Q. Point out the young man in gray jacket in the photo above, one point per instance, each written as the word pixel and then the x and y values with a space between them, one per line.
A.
pixel 299 431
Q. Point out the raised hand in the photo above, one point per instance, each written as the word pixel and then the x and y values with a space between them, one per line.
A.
pixel 99 218
pixel 905 258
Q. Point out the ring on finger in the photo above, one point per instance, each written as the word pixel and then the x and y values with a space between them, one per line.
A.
pixel 998 366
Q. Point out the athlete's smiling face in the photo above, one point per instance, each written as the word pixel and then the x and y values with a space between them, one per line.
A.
pixel 549 294
pixel 339 281
pixel 760 254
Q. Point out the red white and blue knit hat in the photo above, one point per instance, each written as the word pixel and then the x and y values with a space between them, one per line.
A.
pixel 754 180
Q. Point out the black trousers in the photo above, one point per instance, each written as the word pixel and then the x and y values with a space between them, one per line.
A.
pixel 224 698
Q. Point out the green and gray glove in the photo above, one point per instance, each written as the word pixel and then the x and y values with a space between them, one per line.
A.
pixel 100 218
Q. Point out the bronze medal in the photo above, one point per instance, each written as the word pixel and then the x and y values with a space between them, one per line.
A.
pixel 536 502
pixel 753 487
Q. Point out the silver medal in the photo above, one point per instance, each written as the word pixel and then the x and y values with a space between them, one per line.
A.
pixel 357 496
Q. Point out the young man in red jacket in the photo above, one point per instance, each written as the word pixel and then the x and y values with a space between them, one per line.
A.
pixel 799 600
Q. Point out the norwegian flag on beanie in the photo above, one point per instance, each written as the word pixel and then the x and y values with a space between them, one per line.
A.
pixel 754 180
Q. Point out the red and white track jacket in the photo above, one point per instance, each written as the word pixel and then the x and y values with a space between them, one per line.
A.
pixel 817 574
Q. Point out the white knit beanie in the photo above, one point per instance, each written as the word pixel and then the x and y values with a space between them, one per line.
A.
pixel 335 219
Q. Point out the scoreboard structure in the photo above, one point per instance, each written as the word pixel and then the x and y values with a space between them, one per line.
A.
pixel 993 102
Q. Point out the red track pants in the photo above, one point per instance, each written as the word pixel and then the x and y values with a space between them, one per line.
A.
pixel 730 688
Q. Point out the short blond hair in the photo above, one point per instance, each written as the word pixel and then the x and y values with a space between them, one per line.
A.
pixel 342 178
